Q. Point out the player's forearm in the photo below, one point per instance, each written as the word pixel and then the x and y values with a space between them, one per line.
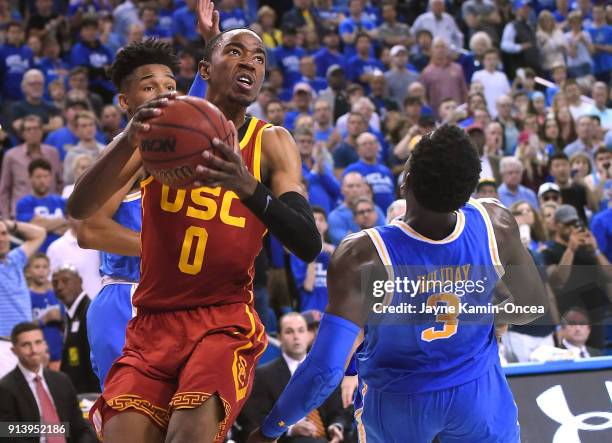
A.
pixel 316 378
pixel 108 175
pixel 28 231
pixel 109 236
pixel 559 275
pixel 310 277
pixel 289 218
pixel 528 292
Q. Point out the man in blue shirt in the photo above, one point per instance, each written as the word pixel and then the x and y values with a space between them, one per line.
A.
pixel 362 67
pixel 511 191
pixel 302 98
pixel 601 34
pixel 15 59
pixel 309 74
pixel 15 303
pixel 345 152
pixel 341 220
pixel 184 24
pixel 33 87
pixel 149 15
pixel 95 56
pixel 66 135
pixel 378 176
pixel 323 188
pixel 41 207
pixel 323 127
pixel 329 54
pixel 354 24
pixel 288 57
pixel 52 65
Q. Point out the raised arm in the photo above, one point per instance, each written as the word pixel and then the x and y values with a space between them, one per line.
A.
pixel 521 276
pixel 115 168
pixel 103 233
pixel 338 337
pixel 34 235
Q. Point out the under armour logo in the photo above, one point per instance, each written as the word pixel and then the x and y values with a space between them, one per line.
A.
pixel 554 404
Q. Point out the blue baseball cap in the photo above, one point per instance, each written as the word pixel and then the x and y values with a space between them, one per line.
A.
pixel 517 4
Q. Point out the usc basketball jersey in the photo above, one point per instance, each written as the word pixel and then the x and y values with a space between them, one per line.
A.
pixel 199 245
pixel 410 347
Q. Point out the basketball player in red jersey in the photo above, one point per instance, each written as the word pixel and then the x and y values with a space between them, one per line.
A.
pixel 190 351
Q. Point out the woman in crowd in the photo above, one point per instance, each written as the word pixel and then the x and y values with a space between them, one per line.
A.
pixel 579 49
pixel 567 128
pixel 531 154
pixel 551 135
pixel 550 41
pixel 525 214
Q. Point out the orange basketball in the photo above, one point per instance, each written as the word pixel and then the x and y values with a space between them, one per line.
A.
pixel 173 147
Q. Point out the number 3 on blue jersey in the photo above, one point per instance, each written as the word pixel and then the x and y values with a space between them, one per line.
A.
pixel 449 319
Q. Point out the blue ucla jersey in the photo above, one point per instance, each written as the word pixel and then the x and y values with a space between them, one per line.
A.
pixel 118 266
pixel 42 303
pixel 433 329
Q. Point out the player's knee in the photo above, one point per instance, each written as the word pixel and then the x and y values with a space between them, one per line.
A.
pixel 131 427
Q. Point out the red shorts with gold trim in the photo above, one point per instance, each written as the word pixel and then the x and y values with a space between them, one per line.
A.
pixel 177 359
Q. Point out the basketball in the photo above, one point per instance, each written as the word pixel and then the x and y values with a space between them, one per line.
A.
pixel 173 147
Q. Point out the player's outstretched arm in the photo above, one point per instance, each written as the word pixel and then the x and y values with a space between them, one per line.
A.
pixel 283 208
pixel 102 233
pixel 117 165
pixel 338 337
pixel 521 276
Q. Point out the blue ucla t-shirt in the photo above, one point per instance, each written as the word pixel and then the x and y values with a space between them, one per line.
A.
pixel 43 302
pixel 317 298
pixel 232 19
pixel 379 177
pixel 14 62
pixel 49 206
pixel 602 60
pixel 288 60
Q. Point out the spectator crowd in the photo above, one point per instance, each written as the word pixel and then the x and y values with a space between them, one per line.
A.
pixel 358 83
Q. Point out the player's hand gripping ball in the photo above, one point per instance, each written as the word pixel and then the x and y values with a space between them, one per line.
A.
pixel 173 146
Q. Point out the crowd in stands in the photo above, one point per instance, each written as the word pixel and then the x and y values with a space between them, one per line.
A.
pixel 358 83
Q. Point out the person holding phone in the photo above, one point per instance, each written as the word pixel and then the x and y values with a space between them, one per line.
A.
pixel 578 270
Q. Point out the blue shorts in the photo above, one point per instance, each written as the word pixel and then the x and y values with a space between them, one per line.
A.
pixel 482 410
pixel 107 319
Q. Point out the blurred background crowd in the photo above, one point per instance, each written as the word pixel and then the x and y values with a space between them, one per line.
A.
pixel 358 83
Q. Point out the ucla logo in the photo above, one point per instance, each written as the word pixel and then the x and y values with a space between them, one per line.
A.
pixel 159 145
pixel 554 404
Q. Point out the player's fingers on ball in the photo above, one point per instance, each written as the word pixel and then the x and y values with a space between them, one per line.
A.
pixel 215 161
pixel 204 173
pixel 142 127
pixel 147 113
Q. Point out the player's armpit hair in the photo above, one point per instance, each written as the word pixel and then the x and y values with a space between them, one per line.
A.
pixel 289 218
pixel 316 378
